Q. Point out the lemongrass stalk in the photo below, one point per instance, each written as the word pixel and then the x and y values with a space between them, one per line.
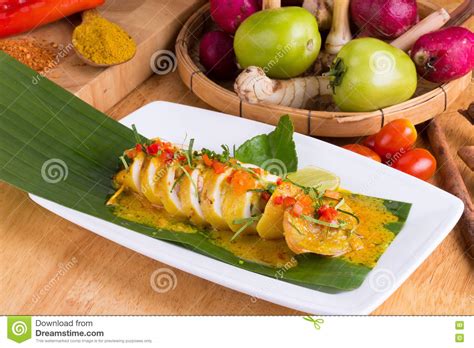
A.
pixel 267 4
pixel 430 23
pixel 340 33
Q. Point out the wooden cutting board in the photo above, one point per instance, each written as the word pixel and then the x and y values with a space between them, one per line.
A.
pixel 154 24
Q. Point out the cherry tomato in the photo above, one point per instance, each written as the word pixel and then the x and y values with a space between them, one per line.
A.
pixel 363 150
pixel 369 141
pixel 395 137
pixel 417 162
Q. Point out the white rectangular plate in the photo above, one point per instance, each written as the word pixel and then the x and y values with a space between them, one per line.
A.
pixel 434 212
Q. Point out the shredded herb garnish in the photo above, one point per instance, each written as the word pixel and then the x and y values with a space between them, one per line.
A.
pixel 313 192
pixel 138 139
pixel 189 153
pixel 351 214
pixel 296 228
pixel 177 180
pixel 271 187
pixel 342 223
pixel 248 170
pixel 124 161
pixel 223 158
pixel 225 154
pixel 256 190
pixel 246 223
pixel 185 172
pixel 320 222
pixel 339 204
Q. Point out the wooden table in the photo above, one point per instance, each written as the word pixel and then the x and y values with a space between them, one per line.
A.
pixel 51 266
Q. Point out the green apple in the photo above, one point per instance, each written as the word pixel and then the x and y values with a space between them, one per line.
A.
pixel 284 42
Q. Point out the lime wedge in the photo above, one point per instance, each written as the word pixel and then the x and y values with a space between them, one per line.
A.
pixel 315 177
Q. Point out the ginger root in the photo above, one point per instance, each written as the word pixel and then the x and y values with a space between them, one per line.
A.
pixel 253 86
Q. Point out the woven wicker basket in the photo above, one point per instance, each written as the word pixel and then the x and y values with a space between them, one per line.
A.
pixel 429 100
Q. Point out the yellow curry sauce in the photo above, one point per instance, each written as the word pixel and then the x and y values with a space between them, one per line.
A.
pixel 376 238
pixel 372 213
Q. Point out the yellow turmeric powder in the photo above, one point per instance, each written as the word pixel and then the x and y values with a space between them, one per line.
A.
pixel 102 41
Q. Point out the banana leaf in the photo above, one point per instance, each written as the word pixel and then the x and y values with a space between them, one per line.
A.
pixel 41 124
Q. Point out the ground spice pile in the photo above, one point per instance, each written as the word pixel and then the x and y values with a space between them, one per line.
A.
pixel 31 52
pixel 102 41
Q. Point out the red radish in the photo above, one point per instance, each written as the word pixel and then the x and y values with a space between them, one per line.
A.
pixel 228 14
pixel 384 19
pixel 216 54
pixel 444 55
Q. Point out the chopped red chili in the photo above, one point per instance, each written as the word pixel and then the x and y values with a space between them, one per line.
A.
pixel 288 202
pixel 278 200
pixel 207 161
pixel 229 178
pixel 327 213
pixel 218 167
pixel 152 149
pixel 167 155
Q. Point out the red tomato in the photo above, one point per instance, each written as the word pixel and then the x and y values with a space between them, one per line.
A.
pixel 362 150
pixel 395 137
pixel 369 141
pixel 417 162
